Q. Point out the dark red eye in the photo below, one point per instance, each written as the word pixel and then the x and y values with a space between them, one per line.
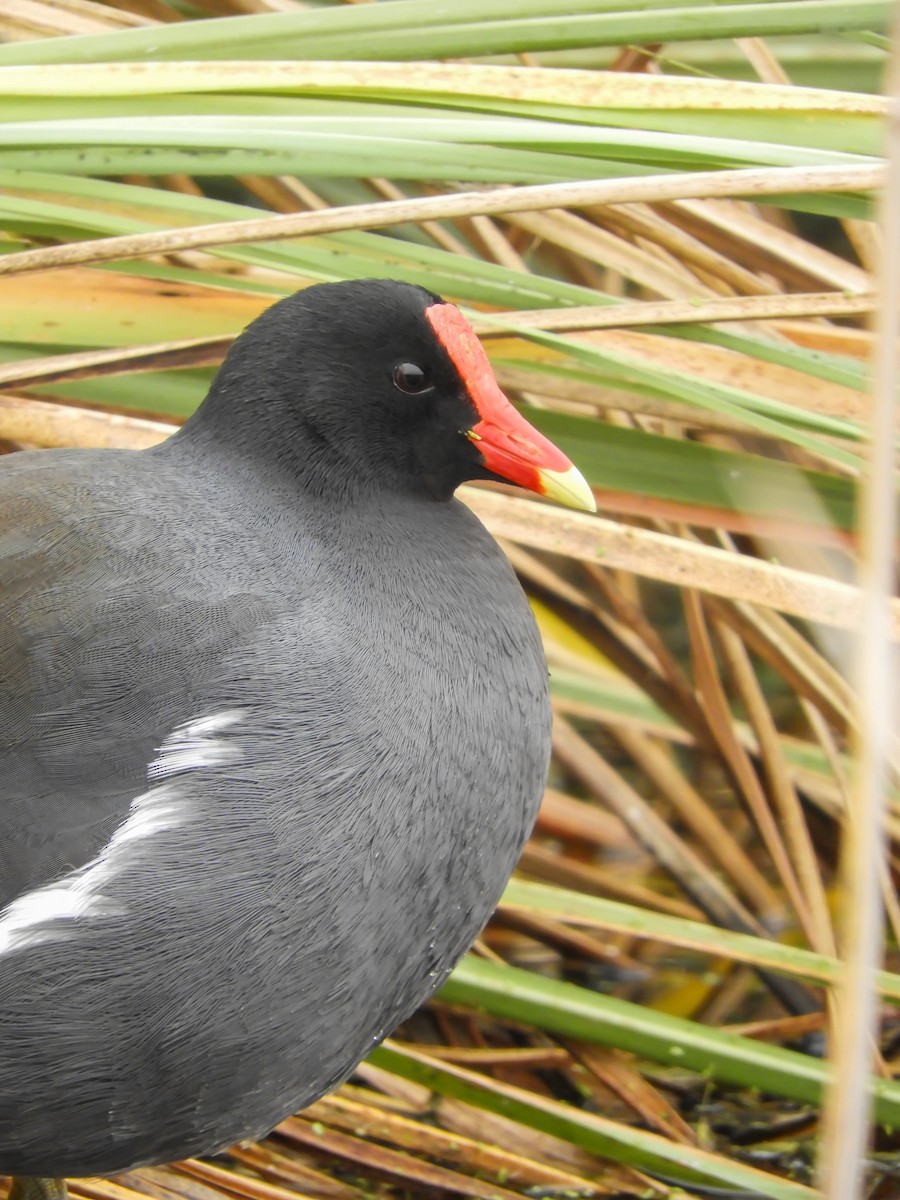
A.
pixel 410 378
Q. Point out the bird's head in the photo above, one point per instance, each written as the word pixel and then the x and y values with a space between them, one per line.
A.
pixel 376 384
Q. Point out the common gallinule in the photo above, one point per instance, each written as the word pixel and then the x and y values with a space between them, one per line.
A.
pixel 274 727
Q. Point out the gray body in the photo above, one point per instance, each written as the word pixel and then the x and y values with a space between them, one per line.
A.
pixel 302 877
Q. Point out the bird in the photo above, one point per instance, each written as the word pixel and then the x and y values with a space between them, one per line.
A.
pixel 274 728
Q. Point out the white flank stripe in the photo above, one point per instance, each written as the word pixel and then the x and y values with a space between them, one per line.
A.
pixel 194 745
pixel 41 915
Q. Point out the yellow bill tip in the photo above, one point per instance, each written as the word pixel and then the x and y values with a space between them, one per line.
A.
pixel 567 487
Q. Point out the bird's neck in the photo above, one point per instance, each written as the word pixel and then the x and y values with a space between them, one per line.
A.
pixel 248 440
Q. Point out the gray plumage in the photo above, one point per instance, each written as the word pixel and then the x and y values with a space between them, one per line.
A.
pixel 274 727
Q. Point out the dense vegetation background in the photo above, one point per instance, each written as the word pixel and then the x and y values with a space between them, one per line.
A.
pixel 660 218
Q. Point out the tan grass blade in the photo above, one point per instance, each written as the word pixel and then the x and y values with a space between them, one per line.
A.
pixel 770 181
pixel 846 1122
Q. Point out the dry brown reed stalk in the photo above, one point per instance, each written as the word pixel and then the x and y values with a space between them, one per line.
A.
pixel 846 1119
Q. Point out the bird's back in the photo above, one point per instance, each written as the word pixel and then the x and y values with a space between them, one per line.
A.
pixel 95 620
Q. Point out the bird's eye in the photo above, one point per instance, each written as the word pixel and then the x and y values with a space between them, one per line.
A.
pixel 410 378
